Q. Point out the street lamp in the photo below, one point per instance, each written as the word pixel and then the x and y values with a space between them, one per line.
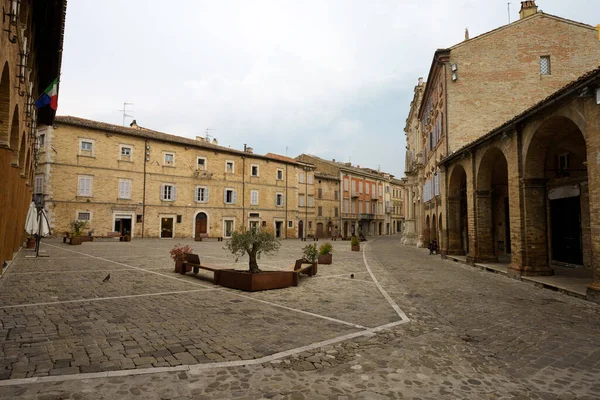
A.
pixel 306 169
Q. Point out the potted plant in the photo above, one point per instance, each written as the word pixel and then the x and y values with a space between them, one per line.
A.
pixel 177 253
pixel 254 243
pixel 310 254
pixel 325 256
pixel 76 234
pixel 355 243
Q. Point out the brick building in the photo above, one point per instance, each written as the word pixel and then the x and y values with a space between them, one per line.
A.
pixel 548 213
pixel 151 184
pixel 477 85
pixel 31 42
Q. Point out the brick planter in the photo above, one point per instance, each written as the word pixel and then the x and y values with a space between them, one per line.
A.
pixel 356 247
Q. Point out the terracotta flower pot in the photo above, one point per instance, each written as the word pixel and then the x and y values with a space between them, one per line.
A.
pixel 31 243
pixel 355 247
pixel 76 240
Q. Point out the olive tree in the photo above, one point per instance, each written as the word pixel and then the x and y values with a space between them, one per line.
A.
pixel 253 242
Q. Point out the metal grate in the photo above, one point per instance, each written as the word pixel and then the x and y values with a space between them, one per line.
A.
pixel 545 65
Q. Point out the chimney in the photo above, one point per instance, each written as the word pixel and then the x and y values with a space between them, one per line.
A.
pixel 528 8
pixel 466 33
pixel 134 125
pixel 200 138
pixel 249 149
pixel 420 81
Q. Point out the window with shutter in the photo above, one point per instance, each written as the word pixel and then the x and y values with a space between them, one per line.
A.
pixel 39 184
pixel 85 186
pixel 254 197
pixel 310 178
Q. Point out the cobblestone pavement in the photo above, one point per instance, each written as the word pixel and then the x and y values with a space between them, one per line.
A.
pixel 471 334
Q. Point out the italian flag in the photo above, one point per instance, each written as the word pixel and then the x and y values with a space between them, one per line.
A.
pixel 50 96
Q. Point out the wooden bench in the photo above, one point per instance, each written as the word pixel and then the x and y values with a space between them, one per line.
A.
pixel 110 235
pixel 192 260
pixel 301 267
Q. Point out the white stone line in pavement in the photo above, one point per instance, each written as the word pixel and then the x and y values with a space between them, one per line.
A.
pixel 229 292
pixel 75 271
pixel 105 298
pixel 383 292
pixel 197 368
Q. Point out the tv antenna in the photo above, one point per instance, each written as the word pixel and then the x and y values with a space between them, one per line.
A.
pixel 207 136
pixel 124 111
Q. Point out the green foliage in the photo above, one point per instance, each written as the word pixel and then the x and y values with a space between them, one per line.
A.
pixel 325 248
pixel 178 251
pixel 254 243
pixel 354 241
pixel 77 227
pixel 310 252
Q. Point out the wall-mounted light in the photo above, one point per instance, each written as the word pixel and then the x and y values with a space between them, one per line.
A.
pixel 598 96
pixel 454 68
pixel 454 76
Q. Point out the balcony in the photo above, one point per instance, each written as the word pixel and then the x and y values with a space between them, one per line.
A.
pixel 366 216
pixel 374 196
pixel 355 193
pixel 389 210
pixel 349 215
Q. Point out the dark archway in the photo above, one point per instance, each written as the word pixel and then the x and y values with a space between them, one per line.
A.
pixel 458 225
pixel 301 229
pixel 433 233
pixel 427 231
pixel 493 219
pixel 14 135
pixel 201 225
pixel 22 152
pixel 556 198
pixel 5 106
pixel 441 232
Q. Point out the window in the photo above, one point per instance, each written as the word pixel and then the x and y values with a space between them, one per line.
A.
pixel 367 188
pixel 254 197
pixel 279 199
pixel 387 189
pixel 230 196
pixel 254 170
pixel 168 192
pixel 124 188
pixel 42 140
pixel 563 161
pixel 346 206
pixel 336 194
pixel 139 218
pixel 229 167
pixel 301 200
pixel 253 225
pixel 279 174
pixel 39 184
pixel 84 216
pixel 85 186
pixel 310 178
pixel 86 147
pixel 290 224
pixel 201 163
pixel 201 195
pixel 368 207
pixel 320 193
pixel 360 187
pixel 310 201
pixel 545 65
pixel 301 177
pixel 361 208
pixel 309 224
pixel 228 226
pixel 125 154
pixel 335 212
pixel 169 159
pixel 353 207
pixel 320 211
pixel 345 185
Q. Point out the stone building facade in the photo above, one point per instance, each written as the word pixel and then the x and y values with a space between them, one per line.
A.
pixel 397 206
pixel 413 170
pixel 480 83
pixel 30 59
pixel 548 212
pixel 151 184
pixel 327 202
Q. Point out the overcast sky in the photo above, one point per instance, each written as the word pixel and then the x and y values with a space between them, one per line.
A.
pixel 330 78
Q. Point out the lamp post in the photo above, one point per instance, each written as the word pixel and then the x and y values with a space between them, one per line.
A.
pixel 306 204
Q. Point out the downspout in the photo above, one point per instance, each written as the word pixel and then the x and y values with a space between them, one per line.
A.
pixel 286 201
pixel 146 154
pixel 447 206
pixel 244 188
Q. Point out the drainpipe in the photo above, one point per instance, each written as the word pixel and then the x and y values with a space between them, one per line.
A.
pixel 286 201
pixel 146 154
pixel 244 188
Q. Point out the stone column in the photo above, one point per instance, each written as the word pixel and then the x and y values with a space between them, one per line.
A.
pixel 483 241
pixel 410 237
pixel 454 242
pixel 536 258
pixel 592 113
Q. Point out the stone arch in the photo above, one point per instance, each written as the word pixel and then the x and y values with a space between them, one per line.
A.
pixel 556 197
pixel 458 224
pixel 5 105
pixel 492 208
pixel 26 172
pixel 201 227
pixel 14 135
pixel 22 152
pixel 440 232
pixel 427 230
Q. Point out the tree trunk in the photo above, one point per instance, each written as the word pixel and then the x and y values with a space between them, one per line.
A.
pixel 253 265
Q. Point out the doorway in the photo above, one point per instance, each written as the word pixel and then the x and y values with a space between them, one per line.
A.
pixel 123 223
pixel 300 229
pixel 565 217
pixel 320 230
pixel 278 228
pixel 201 225
pixel 166 227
